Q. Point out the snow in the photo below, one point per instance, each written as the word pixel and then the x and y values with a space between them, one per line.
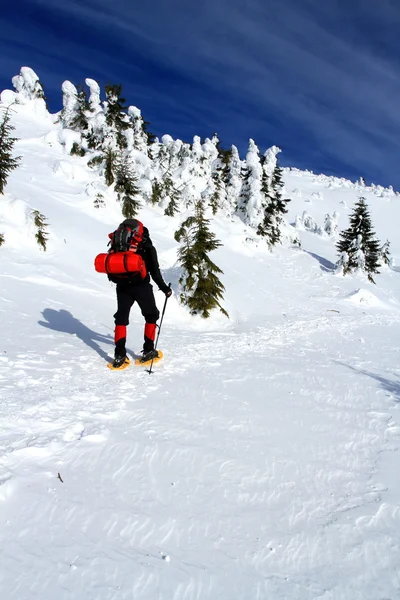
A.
pixel 260 460
pixel 94 97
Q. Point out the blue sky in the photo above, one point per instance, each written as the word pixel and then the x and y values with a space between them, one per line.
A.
pixel 319 78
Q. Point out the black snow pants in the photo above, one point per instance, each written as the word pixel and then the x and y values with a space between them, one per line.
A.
pixel 127 294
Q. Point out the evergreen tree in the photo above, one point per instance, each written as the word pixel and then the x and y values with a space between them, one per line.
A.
pixel 109 135
pixel 116 117
pixel 274 209
pixel 77 150
pixel 173 194
pixel 41 225
pixel 69 93
pixel 79 121
pixel 244 195
pixel 384 254
pixel 110 166
pixel 218 191
pixel 126 188
pixel 331 224
pixel 232 177
pixel 201 288
pixel 2 240
pixel 358 247
pixel 156 192
pixel 8 162
pixel 28 85
pixel 99 200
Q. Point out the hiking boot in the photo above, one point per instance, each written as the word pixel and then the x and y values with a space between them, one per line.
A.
pixel 149 355
pixel 119 361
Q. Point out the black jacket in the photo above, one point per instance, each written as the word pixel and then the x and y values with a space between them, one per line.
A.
pixel 149 254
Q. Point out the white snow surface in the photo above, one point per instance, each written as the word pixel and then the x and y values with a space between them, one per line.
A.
pixel 259 461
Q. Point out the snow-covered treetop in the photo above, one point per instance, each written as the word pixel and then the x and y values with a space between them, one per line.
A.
pixel 94 98
pixel 134 112
pixel 27 85
pixel 271 159
pixel 167 140
pixel 70 102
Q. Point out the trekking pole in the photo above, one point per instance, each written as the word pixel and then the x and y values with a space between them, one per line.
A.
pixel 158 334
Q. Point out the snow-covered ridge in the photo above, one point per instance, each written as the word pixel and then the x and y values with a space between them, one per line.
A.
pixel 333 182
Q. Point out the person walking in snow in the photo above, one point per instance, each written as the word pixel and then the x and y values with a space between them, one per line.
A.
pixel 133 237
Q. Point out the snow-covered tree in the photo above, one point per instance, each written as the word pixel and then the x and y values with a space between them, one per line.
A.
pixel 70 102
pixel 156 192
pixel 116 117
pixel 28 86
pixel 217 194
pixel 172 194
pixel 110 165
pixel 384 254
pixel 358 247
pixel 98 201
pixel 232 177
pixel 8 162
pixel 270 161
pixel 126 188
pixel 81 114
pixel 201 288
pixel 307 222
pixel 331 224
pixel 252 200
pixel 141 136
pixel 41 225
pixel 107 134
pixel 270 227
pixel 94 97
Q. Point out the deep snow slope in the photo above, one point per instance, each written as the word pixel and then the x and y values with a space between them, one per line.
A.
pixel 260 461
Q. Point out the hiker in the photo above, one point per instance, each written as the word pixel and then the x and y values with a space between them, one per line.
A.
pixel 132 237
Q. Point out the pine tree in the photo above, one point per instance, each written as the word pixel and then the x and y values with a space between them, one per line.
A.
pixel 109 138
pixel 110 166
pixel 218 192
pixel 331 224
pixel 384 254
pixel 173 194
pixel 77 150
pixel 232 171
pixel 358 247
pixel 2 239
pixel 126 188
pixel 41 225
pixel 274 209
pixel 156 192
pixel 80 121
pixel 28 85
pixel 99 200
pixel 244 195
pixel 201 288
pixel 8 162
pixel 116 117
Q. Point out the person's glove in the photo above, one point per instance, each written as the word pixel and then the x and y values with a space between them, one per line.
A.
pixel 167 291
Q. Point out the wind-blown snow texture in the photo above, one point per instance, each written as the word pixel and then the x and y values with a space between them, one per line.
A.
pixel 260 461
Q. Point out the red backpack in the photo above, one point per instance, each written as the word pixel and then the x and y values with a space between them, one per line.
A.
pixel 122 258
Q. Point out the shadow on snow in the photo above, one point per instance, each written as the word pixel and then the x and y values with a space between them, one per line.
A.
pixel 65 322
pixel 389 385
pixel 326 265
